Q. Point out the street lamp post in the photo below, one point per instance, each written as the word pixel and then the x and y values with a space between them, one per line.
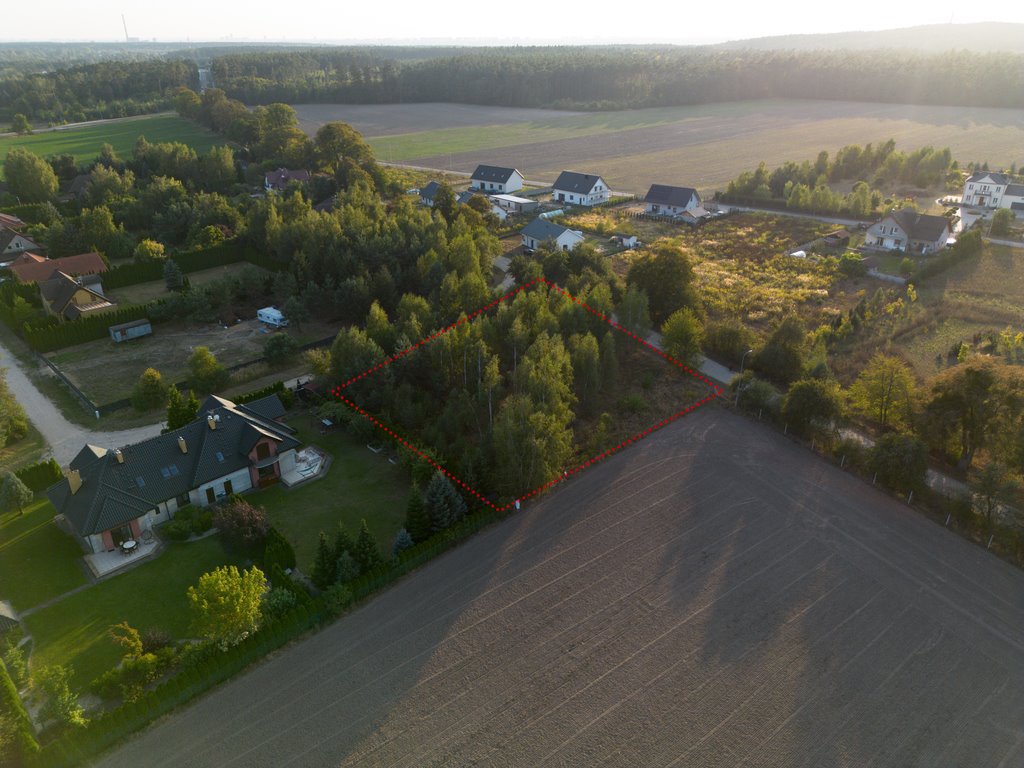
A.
pixel 743 359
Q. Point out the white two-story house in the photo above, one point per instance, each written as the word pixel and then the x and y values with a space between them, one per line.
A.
pixel 496 181
pixel 579 189
pixel 985 189
pixel 910 231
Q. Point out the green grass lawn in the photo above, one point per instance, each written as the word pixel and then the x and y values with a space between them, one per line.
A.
pixel 73 631
pixel 143 293
pixel 85 143
pixel 38 561
pixel 20 453
pixel 360 484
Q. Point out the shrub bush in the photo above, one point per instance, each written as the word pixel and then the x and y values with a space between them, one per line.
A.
pixel 278 551
pixel 178 529
pixel 39 477
pixel 202 521
pixel 901 462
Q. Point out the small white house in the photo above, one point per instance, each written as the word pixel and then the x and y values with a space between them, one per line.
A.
pixel 579 189
pixel 665 200
pixel 541 230
pixel 272 316
pixel 494 180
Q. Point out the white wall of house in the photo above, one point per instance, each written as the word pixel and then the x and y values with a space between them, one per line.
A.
pixel 886 234
pixel 983 193
pixel 19 244
pixel 240 481
pixel 515 182
pixel 597 195
pixel 659 209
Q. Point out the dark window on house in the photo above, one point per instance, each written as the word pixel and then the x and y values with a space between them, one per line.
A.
pixel 227 487
pixel 182 499
pixel 139 481
pixel 220 457
pixel 210 496
pixel 262 450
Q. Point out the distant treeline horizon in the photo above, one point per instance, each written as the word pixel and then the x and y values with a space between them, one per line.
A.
pixel 579 78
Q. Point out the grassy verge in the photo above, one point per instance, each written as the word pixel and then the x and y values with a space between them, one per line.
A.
pixel 37 560
pixel 85 142
pixel 21 453
pixel 144 293
pixel 73 631
pixel 360 484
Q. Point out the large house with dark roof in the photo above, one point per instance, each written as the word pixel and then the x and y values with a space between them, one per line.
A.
pixel 278 181
pixel 579 189
pixel 910 231
pixel 111 496
pixel 496 181
pixel 665 200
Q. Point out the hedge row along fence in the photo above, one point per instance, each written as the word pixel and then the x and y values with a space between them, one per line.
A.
pixel 107 730
pixel 23 746
pixel 38 477
pixel 188 261
pixel 47 338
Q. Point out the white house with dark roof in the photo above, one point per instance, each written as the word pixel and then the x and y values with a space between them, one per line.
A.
pixel 665 200
pixel 910 231
pixel 579 189
pixel 985 189
pixel 495 180
pixel 1013 198
pixel 12 243
pixel 428 192
pixel 111 496
pixel 540 230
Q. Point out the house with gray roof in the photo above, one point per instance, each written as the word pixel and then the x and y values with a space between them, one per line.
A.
pixel 111 496
pixel 12 243
pixel 69 298
pixel 278 181
pixel 1013 198
pixel 910 231
pixel 495 180
pixel 666 200
pixel 985 189
pixel 541 230
pixel 428 193
pixel 579 189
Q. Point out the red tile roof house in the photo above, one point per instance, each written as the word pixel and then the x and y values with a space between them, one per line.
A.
pixel 111 496
pixel 30 268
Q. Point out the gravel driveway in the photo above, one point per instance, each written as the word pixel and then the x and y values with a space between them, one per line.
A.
pixel 64 438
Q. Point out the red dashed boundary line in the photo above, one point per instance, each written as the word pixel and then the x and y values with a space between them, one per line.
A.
pixel 716 391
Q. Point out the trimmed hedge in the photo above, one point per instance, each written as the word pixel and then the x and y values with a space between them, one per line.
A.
pixel 219 255
pixel 286 396
pixel 44 337
pixel 38 477
pixel 24 745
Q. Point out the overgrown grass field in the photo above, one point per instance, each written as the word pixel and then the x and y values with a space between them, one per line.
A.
pixel 85 142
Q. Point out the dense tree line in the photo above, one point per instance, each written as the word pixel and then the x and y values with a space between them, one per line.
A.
pixel 806 186
pixel 626 77
pixel 91 91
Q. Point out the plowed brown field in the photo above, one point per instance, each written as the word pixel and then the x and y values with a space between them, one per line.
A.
pixel 713 596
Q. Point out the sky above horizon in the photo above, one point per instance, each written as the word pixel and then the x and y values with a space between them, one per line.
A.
pixel 409 21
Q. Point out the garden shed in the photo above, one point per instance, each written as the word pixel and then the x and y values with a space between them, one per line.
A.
pixel 133 330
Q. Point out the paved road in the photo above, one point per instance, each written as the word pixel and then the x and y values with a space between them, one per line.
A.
pixel 64 438
pixel 712 596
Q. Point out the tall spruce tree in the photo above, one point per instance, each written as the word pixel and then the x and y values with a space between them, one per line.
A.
pixel 325 563
pixel 417 521
pixel 367 553
pixel 443 503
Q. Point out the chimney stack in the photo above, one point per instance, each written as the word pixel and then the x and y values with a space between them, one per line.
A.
pixel 211 422
pixel 120 455
pixel 182 445
pixel 74 480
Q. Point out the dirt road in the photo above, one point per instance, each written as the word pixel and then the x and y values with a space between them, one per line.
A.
pixel 65 439
pixel 713 596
